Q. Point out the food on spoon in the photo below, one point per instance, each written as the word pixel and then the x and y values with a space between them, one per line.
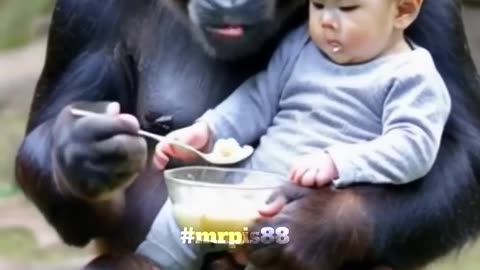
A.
pixel 227 148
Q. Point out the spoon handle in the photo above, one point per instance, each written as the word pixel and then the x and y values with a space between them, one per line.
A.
pixel 144 133
pixel 151 135
pixel 186 147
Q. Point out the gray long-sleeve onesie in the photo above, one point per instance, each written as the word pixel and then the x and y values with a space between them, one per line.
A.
pixel 380 121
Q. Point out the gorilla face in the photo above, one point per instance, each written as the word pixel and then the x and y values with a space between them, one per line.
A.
pixel 231 29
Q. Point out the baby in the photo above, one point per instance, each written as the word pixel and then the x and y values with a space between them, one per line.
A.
pixel 347 99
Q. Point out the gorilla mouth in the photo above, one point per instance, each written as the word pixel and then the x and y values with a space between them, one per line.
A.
pixel 228 31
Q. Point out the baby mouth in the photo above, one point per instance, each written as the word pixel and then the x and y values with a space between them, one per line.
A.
pixel 334 45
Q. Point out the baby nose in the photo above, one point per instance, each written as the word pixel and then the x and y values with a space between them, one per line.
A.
pixel 329 21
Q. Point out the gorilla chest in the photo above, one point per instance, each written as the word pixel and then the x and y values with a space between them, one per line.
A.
pixel 176 81
pixel 174 91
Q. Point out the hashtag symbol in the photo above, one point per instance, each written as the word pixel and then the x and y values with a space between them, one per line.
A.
pixel 187 236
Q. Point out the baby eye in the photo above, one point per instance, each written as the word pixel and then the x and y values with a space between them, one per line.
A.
pixel 348 8
pixel 318 5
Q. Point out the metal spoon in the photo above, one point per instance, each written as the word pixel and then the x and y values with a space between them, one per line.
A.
pixel 212 157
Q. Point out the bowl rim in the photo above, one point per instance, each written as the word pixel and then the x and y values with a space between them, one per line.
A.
pixel 169 178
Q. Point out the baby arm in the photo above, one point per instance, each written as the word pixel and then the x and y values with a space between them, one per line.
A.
pixel 248 112
pixel 415 111
pixel 243 116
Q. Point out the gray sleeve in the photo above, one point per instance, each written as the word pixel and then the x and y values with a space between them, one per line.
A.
pixel 415 111
pixel 247 113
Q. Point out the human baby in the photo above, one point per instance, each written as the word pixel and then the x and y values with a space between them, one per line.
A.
pixel 347 98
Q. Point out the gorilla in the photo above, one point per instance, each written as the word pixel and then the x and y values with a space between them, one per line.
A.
pixel 165 62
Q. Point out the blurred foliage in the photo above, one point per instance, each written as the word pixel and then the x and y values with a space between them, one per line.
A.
pixel 18 19
pixel 13 121
pixel 18 244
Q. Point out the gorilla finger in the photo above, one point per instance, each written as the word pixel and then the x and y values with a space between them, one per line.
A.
pixel 114 174
pixel 120 147
pixel 72 159
pixel 285 194
pixel 100 127
pixel 272 208
pixel 92 180
pixel 125 162
pixel 240 256
pixel 108 171
pixel 292 192
pixel 70 154
pixel 264 255
pixel 102 107
pixel 125 167
pixel 130 119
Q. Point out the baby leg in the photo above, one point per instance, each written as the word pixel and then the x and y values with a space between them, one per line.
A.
pixel 164 244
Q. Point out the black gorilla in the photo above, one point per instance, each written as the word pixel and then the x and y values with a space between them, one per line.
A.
pixel 166 62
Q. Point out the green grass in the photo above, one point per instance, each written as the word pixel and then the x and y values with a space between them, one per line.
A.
pixel 467 259
pixel 13 122
pixel 19 244
pixel 16 243
pixel 17 18
pixel 7 190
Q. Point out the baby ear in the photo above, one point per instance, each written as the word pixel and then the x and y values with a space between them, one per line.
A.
pixel 407 12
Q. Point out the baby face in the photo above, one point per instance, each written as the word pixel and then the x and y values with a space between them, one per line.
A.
pixel 353 31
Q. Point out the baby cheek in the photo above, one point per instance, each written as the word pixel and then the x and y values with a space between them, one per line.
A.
pixel 362 43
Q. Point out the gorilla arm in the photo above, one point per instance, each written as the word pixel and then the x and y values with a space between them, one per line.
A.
pixel 404 227
pixel 98 73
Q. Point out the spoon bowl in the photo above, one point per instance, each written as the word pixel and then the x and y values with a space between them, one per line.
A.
pixel 213 157
pixel 216 158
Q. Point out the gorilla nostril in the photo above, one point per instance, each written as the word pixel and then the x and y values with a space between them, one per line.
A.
pixel 162 124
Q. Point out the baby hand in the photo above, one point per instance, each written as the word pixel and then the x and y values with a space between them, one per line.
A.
pixel 314 170
pixel 196 135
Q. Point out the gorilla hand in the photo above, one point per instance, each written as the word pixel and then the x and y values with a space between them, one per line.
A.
pixel 327 229
pixel 94 156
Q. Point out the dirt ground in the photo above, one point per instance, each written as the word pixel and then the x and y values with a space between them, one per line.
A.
pixel 26 241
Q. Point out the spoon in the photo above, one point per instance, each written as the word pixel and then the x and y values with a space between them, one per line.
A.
pixel 212 157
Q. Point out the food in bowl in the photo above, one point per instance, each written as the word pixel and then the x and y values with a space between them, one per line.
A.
pixel 216 217
pixel 213 199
